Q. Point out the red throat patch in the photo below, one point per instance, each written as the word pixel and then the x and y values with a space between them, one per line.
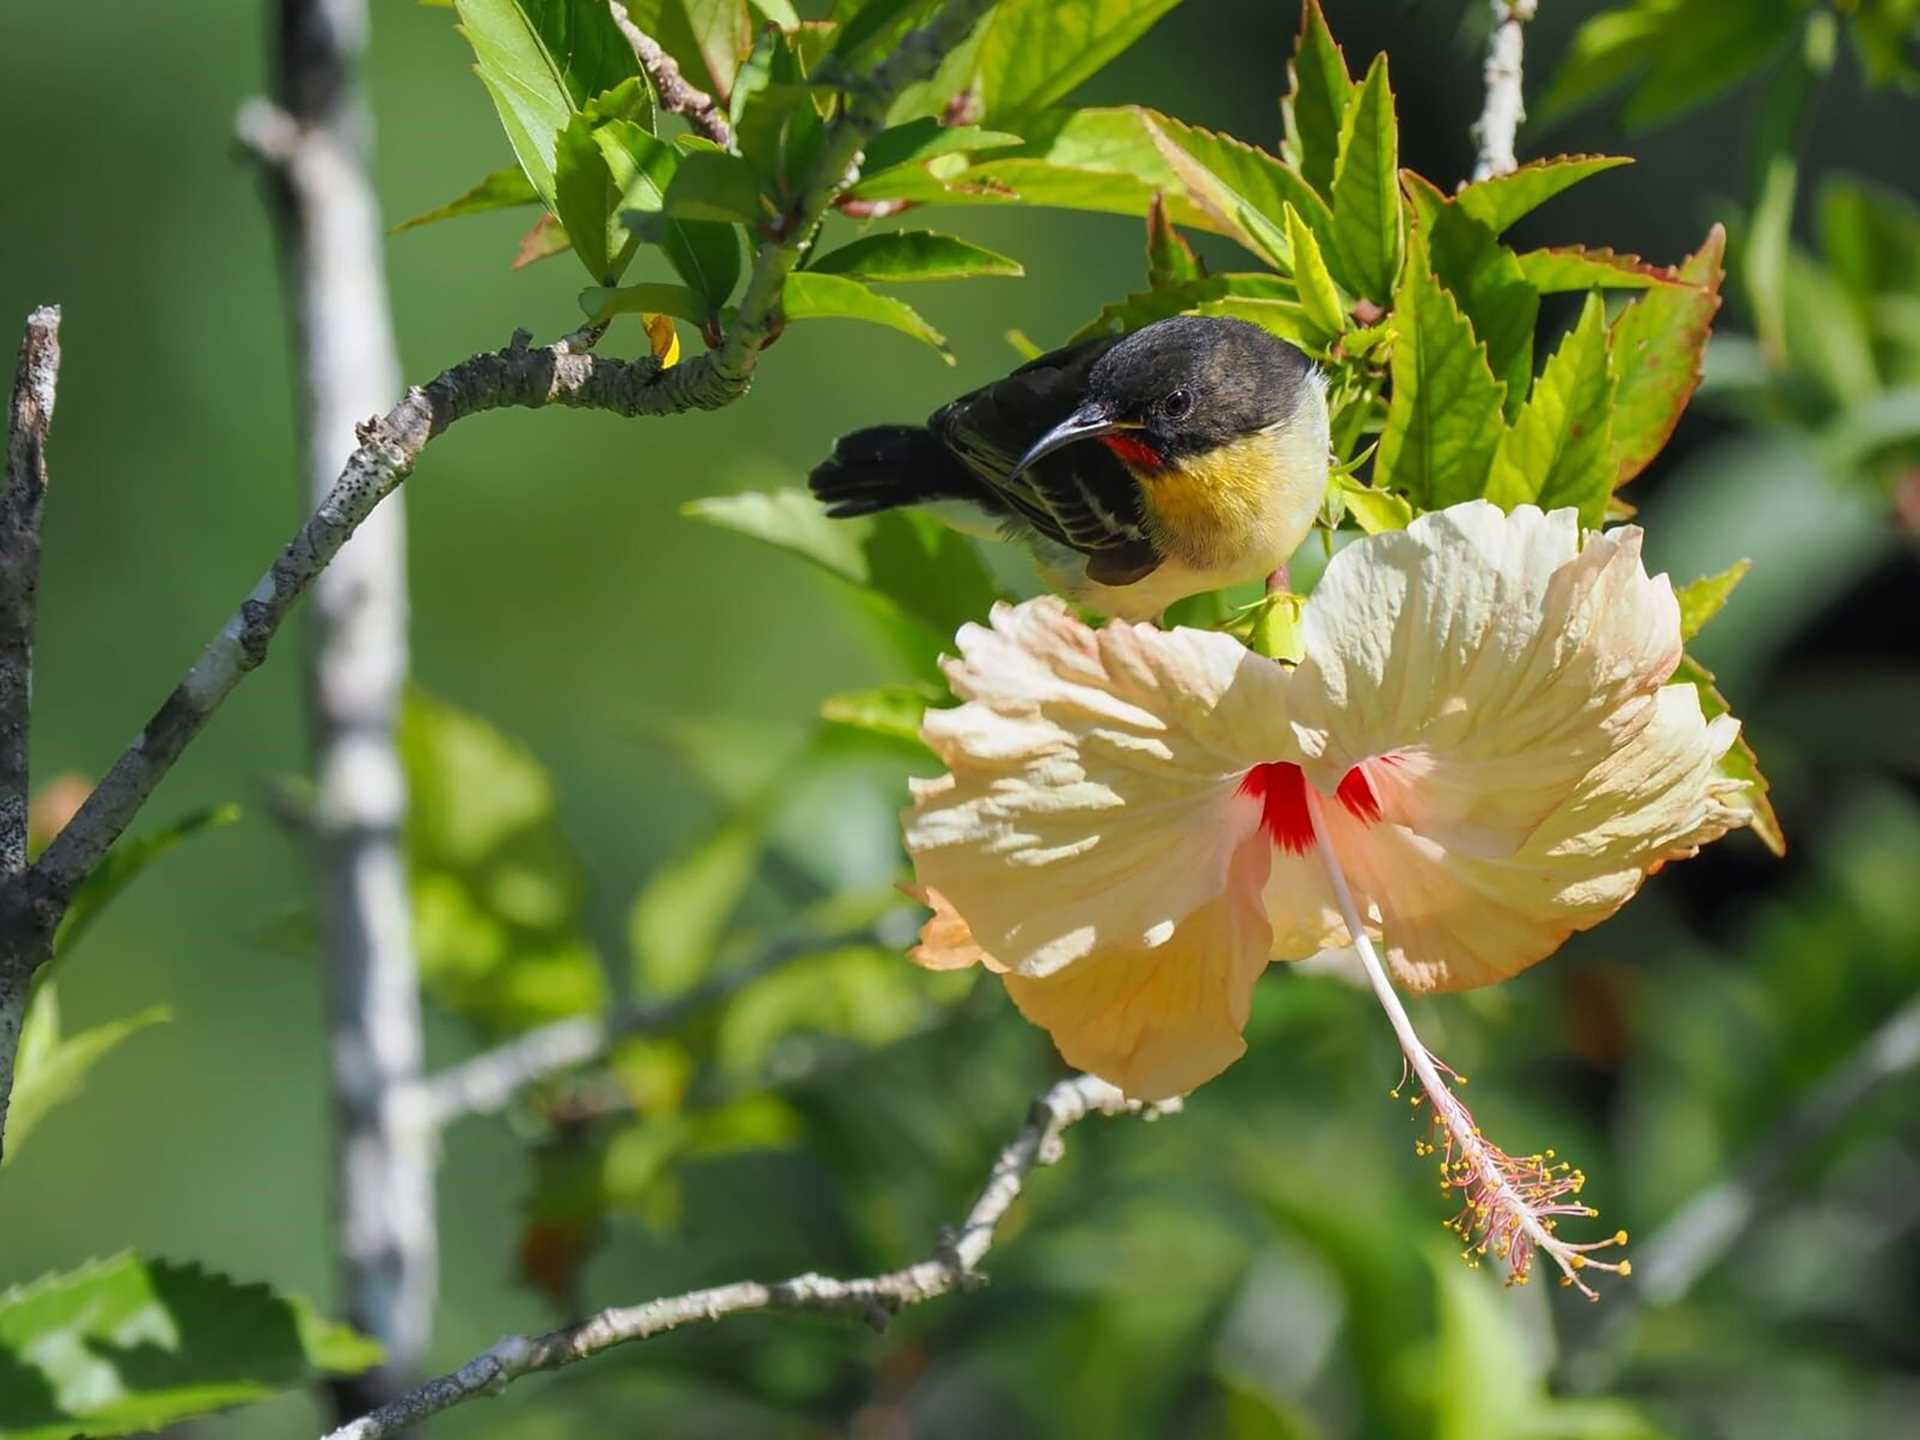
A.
pixel 1137 453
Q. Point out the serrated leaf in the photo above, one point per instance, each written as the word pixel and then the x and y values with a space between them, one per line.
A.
pixel 1231 212
pixel 813 296
pixel 1499 200
pixel 1170 259
pixel 502 190
pixel 124 863
pixel 1486 279
pixel 1700 600
pixel 542 61
pixel 50 1068
pixel 1739 763
pixel 498 891
pixel 129 1345
pixel 1562 268
pixel 1444 414
pixel 1319 296
pixel 1658 342
pixel 1365 243
pixel 1315 106
pixel 1559 450
pixel 900 256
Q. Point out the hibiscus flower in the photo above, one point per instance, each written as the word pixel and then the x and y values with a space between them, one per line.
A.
pixel 1478 754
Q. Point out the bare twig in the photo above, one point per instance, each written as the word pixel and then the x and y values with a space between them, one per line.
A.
pixel 314 145
pixel 489 1081
pixel 1705 1230
pixel 676 93
pixel 1500 119
pixel 953 1265
pixel 22 501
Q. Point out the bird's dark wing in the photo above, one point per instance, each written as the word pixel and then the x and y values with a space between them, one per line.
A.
pixel 1080 496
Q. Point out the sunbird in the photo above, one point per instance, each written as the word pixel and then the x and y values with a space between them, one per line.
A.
pixel 1140 469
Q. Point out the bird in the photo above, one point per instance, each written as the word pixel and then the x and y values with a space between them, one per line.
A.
pixel 1186 456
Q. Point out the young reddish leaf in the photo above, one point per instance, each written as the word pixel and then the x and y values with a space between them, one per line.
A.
pixel 1499 200
pixel 1657 345
pixel 1559 451
pixel 1366 237
pixel 1315 104
pixel 546 238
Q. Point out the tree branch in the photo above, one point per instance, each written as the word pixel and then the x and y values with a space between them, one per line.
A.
pixel 1500 119
pixel 314 143
pixel 24 943
pixel 676 93
pixel 487 1082
pixel 953 1265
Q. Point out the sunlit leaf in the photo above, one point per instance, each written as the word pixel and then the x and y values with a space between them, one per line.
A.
pixel 912 145
pixel 1702 599
pixel 813 296
pixel 51 1068
pixel 1657 344
pixel 1444 415
pixel 1170 259
pixel 1366 240
pixel 1559 450
pixel 1487 280
pixel 899 256
pixel 707 38
pixel 584 197
pixel 1576 267
pixel 502 190
pixel 543 61
pixel 1319 296
pixel 892 711
pixel 1739 763
pixel 704 253
pixel 1195 297
pixel 1499 200
pixel 1376 510
pixel 130 1345
pixel 712 185
pixel 1316 102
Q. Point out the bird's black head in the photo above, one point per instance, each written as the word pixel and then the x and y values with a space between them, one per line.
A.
pixel 1184 387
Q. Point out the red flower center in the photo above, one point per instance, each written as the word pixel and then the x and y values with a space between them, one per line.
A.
pixel 1281 788
pixel 1137 453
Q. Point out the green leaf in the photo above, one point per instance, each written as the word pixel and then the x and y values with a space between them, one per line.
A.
pixel 712 185
pixel 1376 510
pixel 50 1068
pixel 130 1345
pixel 542 61
pixel 891 711
pixel 707 38
pixel 911 145
pixel 1499 200
pixel 812 296
pixel 704 253
pixel 502 190
pixel 124 863
pixel 1657 345
pixel 1561 268
pixel 1366 237
pixel 1230 211
pixel 1559 451
pixel 1870 236
pixel 1444 414
pixel 601 303
pixel 1702 599
pixel 1319 296
pixel 498 892
pixel 1195 297
pixel 584 198
pixel 1170 259
pixel 681 914
pixel 1776 145
pixel 861 993
pixel 1315 106
pixel 905 255
pixel 924 579
pixel 779 131
pixel 1487 279
pixel 780 12
pixel 1739 763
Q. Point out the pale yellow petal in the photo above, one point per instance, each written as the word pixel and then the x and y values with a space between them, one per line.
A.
pixel 1158 1021
pixel 1093 800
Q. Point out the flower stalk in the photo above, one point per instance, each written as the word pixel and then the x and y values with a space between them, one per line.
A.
pixel 1511 1204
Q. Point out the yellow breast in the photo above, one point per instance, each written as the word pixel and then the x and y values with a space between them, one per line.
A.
pixel 1209 508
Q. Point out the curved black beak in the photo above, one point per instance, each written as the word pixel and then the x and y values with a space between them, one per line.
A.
pixel 1085 423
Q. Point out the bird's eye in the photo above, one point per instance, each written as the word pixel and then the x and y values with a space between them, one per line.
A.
pixel 1177 406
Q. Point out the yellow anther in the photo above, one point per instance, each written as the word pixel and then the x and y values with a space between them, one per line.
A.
pixel 1619 1237
pixel 1626 1267
pixel 1579 1262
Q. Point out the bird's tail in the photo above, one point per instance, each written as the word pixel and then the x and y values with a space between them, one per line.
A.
pixel 888 466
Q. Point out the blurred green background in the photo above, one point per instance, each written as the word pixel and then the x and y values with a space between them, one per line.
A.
pixel 1263 1266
